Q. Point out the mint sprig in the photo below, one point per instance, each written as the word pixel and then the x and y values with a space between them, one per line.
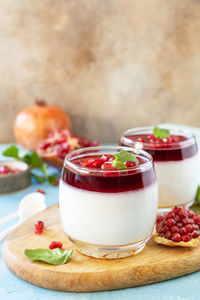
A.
pixel 54 257
pixel 121 157
pixel 32 159
pixel 161 133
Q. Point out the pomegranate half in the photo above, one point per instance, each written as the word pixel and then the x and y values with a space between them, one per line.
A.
pixel 33 124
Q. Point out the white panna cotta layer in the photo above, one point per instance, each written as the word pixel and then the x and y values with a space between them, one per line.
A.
pixel 108 218
pixel 177 181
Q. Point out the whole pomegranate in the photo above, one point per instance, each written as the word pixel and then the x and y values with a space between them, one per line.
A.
pixel 33 124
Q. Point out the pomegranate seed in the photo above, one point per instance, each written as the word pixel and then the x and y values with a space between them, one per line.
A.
pixel 151 137
pixel 140 140
pixel 175 210
pixel 177 218
pixel 174 229
pixel 182 213
pixel 41 191
pixel 195 234
pixel 165 228
pixel 196 219
pixel 87 163
pixel 188 228
pixel 195 227
pixel 191 214
pixel 186 221
pixel 182 230
pixel 159 219
pixel 170 215
pixel 130 164
pixel 185 238
pixel 39 225
pixel 168 235
pixel 55 245
pixel 171 222
pixel 97 163
pixel 179 225
pixel 176 237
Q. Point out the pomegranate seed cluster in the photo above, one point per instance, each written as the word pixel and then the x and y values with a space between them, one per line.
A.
pixel 104 162
pixel 157 142
pixel 64 141
pixel 5 170
pixel 179 225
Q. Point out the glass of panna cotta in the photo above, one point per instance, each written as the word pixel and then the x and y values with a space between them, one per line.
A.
pixel 108 200
pixel 176 162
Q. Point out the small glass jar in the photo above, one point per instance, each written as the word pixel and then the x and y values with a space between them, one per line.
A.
pixel 108 213
pixel 176 160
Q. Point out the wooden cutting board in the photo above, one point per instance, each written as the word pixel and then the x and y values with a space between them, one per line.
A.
pixel 84 274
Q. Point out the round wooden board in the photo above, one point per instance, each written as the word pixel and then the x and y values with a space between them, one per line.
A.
pixel 84 274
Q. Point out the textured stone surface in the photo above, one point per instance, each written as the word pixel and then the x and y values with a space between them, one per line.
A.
pixel 111 64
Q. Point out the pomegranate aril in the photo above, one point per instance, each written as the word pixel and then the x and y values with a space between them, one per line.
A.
pixel 87 163
pixel 168 235
pixel 39 225
pixel 171 222
pixel 182 230
pixel 55 245
pixel 130 164
pixel 189 228
pixel 176 237
pixel 177 219
pixel 97 163
pixel 186 221
pixel 195 234
pixel 140 140
pixel 40 191
pixel 186 238
pixel 196 219
pixel 165 228
pixel 179 225
pixel 174 229
pixel 175 210
pixel 170 215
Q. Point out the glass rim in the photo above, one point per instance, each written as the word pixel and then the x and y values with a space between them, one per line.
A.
pixel 178 131
pixel 91 150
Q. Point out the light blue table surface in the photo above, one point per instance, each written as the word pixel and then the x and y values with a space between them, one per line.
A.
pixel 12 287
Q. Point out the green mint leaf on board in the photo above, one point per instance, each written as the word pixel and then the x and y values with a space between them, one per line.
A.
pixel 161 132
pixel 55 257
pixel 197 197
pixel 119 164
pixel 124 156
pixel 12 151
pixel 52 179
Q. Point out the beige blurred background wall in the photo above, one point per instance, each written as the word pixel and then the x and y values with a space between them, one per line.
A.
pixel 111 64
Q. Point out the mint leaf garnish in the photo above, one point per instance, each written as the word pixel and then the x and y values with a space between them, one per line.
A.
pixel 161 132
pixel 121 157
pixel 34 162
pixel 125 156
pixel 119 164
pixel 197 197
pixel 12 151
pixel 55 257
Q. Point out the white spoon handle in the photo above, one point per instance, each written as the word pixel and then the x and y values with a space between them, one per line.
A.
pixel 8 218
pixel 5 233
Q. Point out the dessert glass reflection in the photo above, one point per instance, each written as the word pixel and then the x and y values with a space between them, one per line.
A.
pixel 176 160
pixel 105 211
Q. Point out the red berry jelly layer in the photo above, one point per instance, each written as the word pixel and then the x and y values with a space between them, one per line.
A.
pixel 108 182
pixel 173 148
